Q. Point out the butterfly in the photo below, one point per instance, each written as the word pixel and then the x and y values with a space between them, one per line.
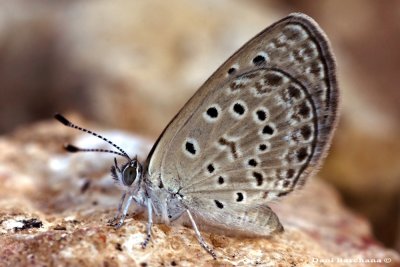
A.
pixel 252 133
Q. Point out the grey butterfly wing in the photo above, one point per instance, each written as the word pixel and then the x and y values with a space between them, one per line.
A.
pixel 255 130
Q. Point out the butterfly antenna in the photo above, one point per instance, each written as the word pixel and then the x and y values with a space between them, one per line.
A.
pixel 73 149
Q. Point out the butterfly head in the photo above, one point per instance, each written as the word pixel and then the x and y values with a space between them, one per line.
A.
pixel 129 175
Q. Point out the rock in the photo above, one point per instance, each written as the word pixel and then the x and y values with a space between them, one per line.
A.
pixel 54 209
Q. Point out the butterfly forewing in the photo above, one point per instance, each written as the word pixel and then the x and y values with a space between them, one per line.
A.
pixel 262 143
pixel 257 128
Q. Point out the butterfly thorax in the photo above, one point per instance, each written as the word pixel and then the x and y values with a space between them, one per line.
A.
pixel 167 204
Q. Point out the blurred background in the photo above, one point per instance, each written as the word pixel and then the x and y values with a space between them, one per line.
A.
pixel 133 64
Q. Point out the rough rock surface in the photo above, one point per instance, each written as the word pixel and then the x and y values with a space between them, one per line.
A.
pixel 54 209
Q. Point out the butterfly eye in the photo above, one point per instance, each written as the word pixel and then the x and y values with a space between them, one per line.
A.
pixel 129 175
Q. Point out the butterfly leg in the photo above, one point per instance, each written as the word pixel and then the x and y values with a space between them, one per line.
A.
pixel 118 214
pixel 199 237
pixel 125 212
pixel 149 223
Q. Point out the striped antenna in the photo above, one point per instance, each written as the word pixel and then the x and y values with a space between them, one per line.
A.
pixel 73 149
